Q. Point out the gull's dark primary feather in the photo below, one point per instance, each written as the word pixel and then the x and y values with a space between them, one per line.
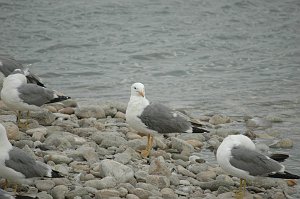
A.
pixel 285 175
pixel 25 197
pixel 279 157
pixel 59 99
pixel 56 174
pixel 199 130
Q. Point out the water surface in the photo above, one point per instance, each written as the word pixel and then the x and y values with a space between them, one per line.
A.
pixel 235 57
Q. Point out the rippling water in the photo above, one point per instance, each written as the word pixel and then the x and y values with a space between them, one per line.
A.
pixel 235 57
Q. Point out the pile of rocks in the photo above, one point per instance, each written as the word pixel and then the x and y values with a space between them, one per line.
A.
pixel 96 151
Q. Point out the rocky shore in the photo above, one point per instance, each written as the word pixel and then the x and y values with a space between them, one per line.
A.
pixel 97 153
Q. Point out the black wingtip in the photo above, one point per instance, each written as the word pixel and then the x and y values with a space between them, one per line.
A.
pixel 34 80
pixel 59 99
pixel 199 130
pixel 40 84
pixel 279 157
pixel 56 174
pixel 285 175
pixel 196 124
pixel 24 197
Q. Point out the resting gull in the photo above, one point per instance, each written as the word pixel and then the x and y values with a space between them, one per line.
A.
pixel 154 118
pixel 19 95
pixel 17 166
pixel 6 195
pixel 237 155
pixel 9 64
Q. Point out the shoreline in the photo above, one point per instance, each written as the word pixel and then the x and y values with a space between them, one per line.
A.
pixel 92 146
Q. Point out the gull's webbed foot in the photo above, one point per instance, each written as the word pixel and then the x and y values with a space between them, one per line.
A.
pixel 145 153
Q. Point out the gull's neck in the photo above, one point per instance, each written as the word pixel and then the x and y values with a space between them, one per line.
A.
pixel 240 140
pixel 14 81
pixel 139 100
pixel 136 106
pixel 5 145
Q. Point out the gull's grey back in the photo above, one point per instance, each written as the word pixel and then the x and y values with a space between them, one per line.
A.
pixel 163 119
pixel 255 163
pixel 21 162
pixel 35 95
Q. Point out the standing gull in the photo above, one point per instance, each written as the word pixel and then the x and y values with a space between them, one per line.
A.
pixel 17 166
pixel 19 95
pixel 237 155
pixel 9 64
pixel 154 118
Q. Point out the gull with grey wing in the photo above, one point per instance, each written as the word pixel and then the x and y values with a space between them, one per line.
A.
pixel 237 156
pixel 154 118
pixel 8 64
pixel 19 95
pixel 17 166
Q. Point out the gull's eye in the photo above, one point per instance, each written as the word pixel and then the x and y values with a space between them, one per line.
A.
pixel 134 88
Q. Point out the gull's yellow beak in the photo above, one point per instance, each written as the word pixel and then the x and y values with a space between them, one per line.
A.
pixel 142 93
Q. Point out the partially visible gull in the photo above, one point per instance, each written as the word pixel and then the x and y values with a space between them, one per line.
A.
pixel 264 149
pixel 19 95
pixel 17 166
pixel 9 64
pixel 279 157
pixel 237 155
pixel 154 118
pixel 6 195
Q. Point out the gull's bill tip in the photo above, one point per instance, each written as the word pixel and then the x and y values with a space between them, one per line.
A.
pixel 142 93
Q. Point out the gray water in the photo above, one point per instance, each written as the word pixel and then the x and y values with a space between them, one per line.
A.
pixel 234 57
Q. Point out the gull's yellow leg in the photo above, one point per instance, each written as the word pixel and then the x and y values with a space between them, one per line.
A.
pixel 145 153
pixel 18 118
pixel 20 125
pixel 241 184
pixel 148 141
pixel 15 188
pixel 151 142
pixel 5 184
pixel 27 119
pixel 239 194
pixel 244 186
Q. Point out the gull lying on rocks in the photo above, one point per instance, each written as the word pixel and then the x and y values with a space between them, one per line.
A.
pixel 17 166
pixel 237 155
pixel 9 64
pixel 6 195
pixel 19 95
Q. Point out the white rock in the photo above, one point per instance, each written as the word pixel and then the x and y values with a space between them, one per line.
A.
pixel 44 185
pixel 120 172
pixel 104 183
pixel 182 146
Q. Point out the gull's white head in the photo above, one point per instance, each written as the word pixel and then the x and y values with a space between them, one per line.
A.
pixel 138 89
pixel 16 78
